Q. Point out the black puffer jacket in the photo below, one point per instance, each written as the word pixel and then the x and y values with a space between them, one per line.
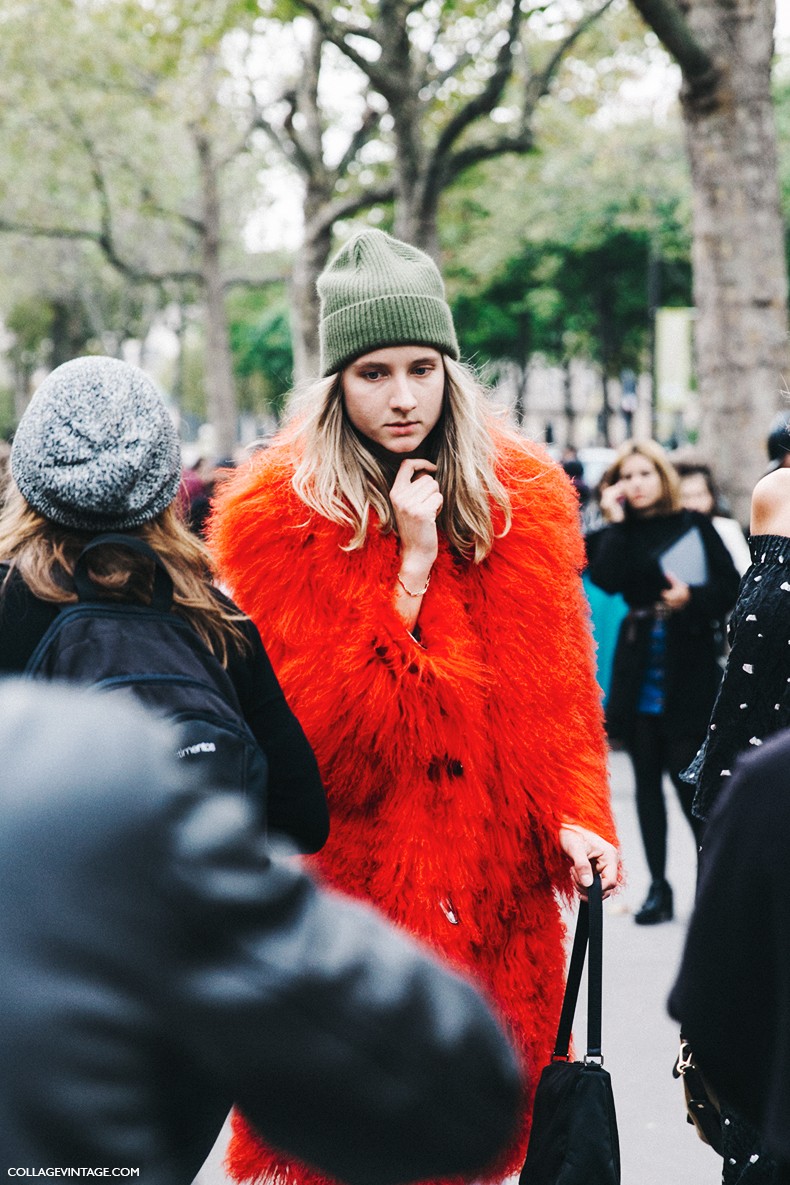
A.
pixel 158 965
pixel 623 558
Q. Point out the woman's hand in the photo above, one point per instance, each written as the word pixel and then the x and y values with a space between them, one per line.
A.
pixel 612 502
pixel 678 595
pixel 416 501
pixel 583 848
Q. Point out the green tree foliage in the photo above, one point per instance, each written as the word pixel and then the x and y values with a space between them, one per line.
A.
pixel 561 301
pixel 260 336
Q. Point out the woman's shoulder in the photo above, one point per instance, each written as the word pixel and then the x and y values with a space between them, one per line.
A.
pixel 529 472
pixel 770 513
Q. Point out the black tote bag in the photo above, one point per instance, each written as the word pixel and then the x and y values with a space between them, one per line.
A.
pixel 574 1137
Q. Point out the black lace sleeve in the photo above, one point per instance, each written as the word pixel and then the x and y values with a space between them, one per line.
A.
pixel 754 698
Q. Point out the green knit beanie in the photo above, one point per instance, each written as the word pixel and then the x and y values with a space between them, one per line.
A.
pixel 378 292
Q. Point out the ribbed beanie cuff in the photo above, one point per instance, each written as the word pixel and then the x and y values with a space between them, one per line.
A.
pixel 379 292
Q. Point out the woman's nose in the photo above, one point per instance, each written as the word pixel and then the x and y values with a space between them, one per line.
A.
pixel 402 394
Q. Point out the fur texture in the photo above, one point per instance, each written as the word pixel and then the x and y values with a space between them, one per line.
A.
pixel 449 765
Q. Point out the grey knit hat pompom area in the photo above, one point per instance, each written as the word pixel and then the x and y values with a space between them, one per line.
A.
pixel 96 449
pixel 379 291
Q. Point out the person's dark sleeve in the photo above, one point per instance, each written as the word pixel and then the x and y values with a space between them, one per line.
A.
pixel 618 562
pixel 732 989
pixel 24 620
pixel 296 801
pixel 342 1042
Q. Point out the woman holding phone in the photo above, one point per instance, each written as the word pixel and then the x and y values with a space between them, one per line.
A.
pixel 665 673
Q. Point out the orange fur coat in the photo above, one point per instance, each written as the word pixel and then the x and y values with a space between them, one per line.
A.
pixel 449 765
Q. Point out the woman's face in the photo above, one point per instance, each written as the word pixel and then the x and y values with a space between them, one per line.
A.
pixel 394 396
pixel 695 494
pixel 641 483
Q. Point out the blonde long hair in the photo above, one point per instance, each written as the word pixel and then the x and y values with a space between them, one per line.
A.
pixel 339 478
pixel 44 554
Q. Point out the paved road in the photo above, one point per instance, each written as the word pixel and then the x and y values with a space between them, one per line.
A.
pixel 639 1039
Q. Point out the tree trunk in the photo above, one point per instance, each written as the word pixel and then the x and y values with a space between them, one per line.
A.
pixel 740 278
pixel 310 261
pixel 221 402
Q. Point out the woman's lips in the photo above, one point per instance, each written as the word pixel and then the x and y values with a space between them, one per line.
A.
pixel 401 429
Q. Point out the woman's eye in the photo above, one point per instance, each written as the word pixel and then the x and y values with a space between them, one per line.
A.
pixel 420 370
pixel 371 374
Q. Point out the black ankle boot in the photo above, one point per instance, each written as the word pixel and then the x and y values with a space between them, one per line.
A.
pixel 657 905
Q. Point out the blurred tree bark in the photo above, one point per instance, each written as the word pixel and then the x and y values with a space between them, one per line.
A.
pixel 725 50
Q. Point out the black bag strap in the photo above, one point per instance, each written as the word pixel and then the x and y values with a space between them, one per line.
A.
pixel 589 931
pixel 162 597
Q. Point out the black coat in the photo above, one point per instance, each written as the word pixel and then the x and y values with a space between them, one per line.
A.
pixel 156 965
pixel 623 558
pixel 732 992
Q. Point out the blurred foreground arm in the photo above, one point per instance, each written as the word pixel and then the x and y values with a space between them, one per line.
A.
pixel 157 965
pixel 345 1044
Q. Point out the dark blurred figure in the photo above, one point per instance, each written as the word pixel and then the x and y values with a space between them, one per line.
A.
pixel 158 965
pixel 731 996
pixel 193 484
pixel 575 471
pixel 779 441
pixel 200 505
pixel 699 492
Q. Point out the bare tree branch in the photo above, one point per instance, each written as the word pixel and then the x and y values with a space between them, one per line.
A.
pixel 338 34
pixel 538 85
pixel 254 281
pixel 453 71
pixel 667 21
pixel 474 154
pixel 306 160
pixel 489 96
pixel 346 207
pixel 367 126
pixel 77 234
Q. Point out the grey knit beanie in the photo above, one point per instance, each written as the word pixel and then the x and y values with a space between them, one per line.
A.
pixel 377 292
pixel 96 448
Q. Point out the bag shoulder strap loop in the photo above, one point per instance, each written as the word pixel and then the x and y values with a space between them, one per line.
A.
pixel 589 931
pixel 162 597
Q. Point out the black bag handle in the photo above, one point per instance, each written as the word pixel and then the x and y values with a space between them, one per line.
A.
pixel 162 597
pixel 589 931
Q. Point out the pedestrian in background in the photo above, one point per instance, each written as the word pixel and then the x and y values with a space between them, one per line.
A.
pixel 665 672
pixel 414 570
pixel 698 491
pixel 96 451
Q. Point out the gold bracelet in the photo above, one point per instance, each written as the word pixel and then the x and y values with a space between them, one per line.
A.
pixel 408 591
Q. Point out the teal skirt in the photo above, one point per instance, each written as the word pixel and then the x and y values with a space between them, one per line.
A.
pixel 607 611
